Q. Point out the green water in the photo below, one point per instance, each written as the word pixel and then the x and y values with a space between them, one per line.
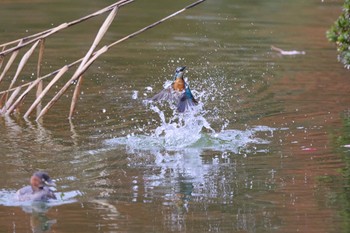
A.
pixel 273 163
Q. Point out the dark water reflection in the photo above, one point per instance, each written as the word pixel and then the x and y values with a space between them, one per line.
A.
pixel 258 157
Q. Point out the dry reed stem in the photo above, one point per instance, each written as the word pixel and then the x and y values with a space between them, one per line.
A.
pixel 102 31
pixel 54 30
pixel 75 97
pixel 9 63
pixel 21 97
pixel 40 85
pixel 10 100
pixel 46 89
pixel 118 41
pixel 20 67
pixel 7 67
pixel 1 60
pixel 74 77
pixel 22 63
pixel 86 62
pixel 155 24
pixel 32 38
pixel 2 57
pixel 40 58
pixel 43 77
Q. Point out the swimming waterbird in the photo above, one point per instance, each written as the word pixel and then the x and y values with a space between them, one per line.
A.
pixel 38 189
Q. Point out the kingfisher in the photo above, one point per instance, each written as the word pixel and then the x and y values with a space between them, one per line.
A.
pixel 178 91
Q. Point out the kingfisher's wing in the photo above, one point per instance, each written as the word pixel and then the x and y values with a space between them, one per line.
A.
pixel 168 94
pixel 186 102
pixel 165 94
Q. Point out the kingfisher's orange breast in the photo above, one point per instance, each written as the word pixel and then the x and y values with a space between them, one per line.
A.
pixel 179 84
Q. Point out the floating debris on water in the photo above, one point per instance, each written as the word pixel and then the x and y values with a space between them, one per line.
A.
pixel 288 53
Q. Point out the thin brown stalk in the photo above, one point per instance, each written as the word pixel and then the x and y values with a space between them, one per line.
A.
pixel 7 67
pixel 43 77
pixel 46 89
pixel 102 31
pixel 39 88
pixel 11 99
pixel 9 63
pixel 1 60
pixel 75 97
pixel 118 41
pixel 21 97
pixel 54 30
pixel 91 56
pixel 67 85
pixel 40 58
pixel 156 23
pixel 2 57
pixel 31 39
pixel 22 63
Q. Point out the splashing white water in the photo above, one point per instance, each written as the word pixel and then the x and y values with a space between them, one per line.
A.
pixel 134 95
pixel 181 130
pixel 190 130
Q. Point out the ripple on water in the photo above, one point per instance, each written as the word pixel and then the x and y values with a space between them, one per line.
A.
pixel 7 198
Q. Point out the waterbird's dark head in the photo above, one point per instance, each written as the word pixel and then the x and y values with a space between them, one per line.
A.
pixel 41 179
pixel 179 72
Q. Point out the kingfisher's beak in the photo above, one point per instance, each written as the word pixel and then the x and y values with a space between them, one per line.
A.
pixel 183 68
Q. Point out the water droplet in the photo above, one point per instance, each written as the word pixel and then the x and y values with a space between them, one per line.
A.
pixel 134 95
pixel 149 89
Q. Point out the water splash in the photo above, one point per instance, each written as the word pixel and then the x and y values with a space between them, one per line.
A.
pixel 190 130
pixel 181 130
pixel 180 161
pixel 173 153
pixel 170 139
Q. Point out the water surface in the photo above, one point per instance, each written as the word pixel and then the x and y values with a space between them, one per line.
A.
pixel 260 154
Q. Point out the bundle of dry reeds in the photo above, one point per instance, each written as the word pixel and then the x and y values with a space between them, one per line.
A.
pixel 13 97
